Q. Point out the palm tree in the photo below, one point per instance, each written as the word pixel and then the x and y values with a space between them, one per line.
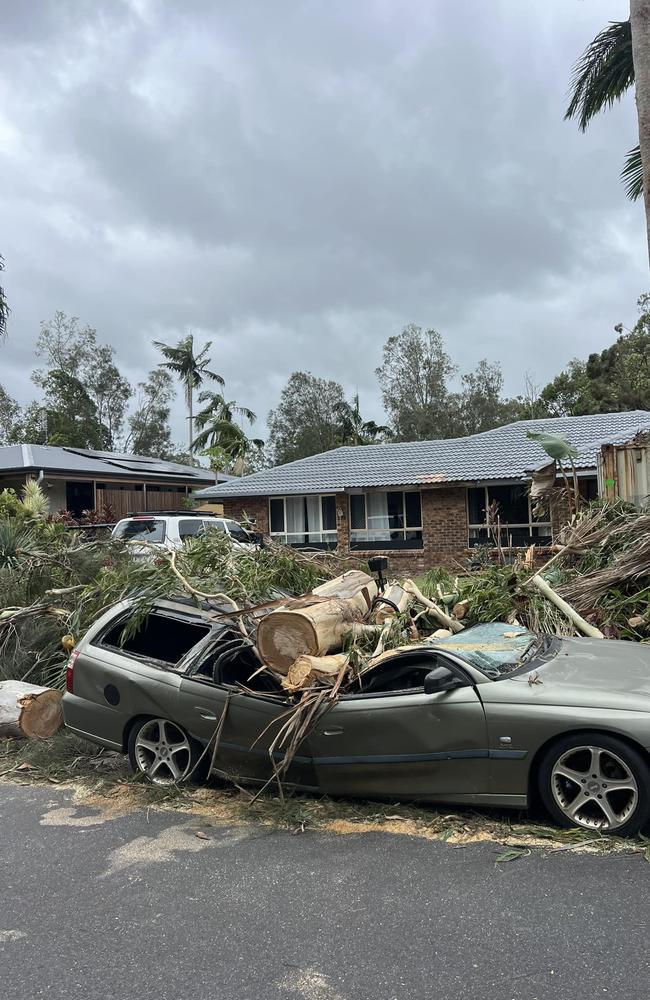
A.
pixel 192 370
pixel 640 25
pixel 353 429
pixel 4 308
pixel 220 435
pixel 602 75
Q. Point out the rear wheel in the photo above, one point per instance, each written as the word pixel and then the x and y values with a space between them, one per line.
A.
pixel 596 782
pixel 165 753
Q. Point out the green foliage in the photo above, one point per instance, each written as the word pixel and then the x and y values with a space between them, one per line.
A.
pixel 16 536
pixel 222 439
pixel 306 420
pixel 9 418
pixel 602 75
pixel 614 380
pixel 353 429
pixel 149 432
pixel 192 371
pixel 556 446
pixel 414 378
pixel 85 394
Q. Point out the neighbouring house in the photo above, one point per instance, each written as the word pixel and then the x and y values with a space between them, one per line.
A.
pixel 77 479
pixel 424 502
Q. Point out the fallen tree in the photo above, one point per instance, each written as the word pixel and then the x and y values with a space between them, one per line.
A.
pixel 316 623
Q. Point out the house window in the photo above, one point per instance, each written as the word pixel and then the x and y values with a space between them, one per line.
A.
pixel 386 519
pixel 518 525
pixel 308 520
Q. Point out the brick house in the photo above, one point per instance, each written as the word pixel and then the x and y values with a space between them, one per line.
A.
pixel 420 503
pixel 78 479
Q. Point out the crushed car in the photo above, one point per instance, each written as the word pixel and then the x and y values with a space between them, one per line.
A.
pixel 494 715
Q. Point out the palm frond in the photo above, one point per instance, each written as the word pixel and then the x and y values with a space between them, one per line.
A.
pixel 604 72
pixel 632 174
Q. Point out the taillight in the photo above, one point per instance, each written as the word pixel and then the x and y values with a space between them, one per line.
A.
pixel 69 671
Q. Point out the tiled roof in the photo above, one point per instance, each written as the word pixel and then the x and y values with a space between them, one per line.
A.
pixel 101 464
pixel 504 453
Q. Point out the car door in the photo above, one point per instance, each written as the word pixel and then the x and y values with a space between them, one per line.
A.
pixel 404 745
pixel 250 725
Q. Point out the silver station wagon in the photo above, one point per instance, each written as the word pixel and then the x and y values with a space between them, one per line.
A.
pixel 493 716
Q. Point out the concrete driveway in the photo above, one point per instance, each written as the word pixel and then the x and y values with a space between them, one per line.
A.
pixel 103 905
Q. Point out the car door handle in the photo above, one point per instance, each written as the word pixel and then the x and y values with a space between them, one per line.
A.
pixel 336 731
pixel 206 715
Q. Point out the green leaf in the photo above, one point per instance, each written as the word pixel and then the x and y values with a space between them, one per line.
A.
pixel 554 445
pixel 512 855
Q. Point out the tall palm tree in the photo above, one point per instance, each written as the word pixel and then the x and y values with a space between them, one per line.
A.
pixel 602 75
pixel 219 432
pixel 4 308
pixel 640 24
pixel 192 370
pixel 353 429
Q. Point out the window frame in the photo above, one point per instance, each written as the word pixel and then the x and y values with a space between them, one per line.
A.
pixel 530 525
pixel 328 538
pixel 361 544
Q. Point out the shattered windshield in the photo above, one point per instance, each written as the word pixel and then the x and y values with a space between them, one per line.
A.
pixel 495 649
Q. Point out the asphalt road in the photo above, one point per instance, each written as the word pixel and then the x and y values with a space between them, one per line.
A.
pixel 96 906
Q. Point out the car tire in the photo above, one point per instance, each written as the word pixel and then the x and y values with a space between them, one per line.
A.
pixel 165 754
pixel 596 782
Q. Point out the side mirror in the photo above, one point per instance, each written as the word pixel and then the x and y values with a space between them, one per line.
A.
pixel 442 679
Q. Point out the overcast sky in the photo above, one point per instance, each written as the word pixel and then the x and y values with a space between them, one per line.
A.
pixel 298 179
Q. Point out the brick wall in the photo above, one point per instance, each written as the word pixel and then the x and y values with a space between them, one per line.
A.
pixel 444 535
pixel 256 508
pixel 444 529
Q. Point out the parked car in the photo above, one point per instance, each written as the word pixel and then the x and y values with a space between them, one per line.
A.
pixel 492 716
pixel 169 529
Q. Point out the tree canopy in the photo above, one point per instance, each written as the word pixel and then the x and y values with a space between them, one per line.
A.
pixel 610 381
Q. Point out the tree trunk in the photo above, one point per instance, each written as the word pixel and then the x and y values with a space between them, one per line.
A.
pixel 396 594
pixel 583 626
pixel 190 416
pixel 316 623
pixel 640 25
pixel 307 669
pixel 27 710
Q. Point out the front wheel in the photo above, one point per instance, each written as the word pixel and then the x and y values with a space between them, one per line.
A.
pixel 596 782
pixel 164 752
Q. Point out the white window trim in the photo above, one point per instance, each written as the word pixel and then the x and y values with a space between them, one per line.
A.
pixel 505 525
pixel 360 535
pixel 330 535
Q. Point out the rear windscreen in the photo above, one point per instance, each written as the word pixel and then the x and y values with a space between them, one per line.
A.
pixel 158 636
pixel 141 529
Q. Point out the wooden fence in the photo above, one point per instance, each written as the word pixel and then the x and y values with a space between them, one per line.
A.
pixel 124 502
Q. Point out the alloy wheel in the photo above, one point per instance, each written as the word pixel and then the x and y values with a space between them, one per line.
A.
pixel 594 788
pixel 162 751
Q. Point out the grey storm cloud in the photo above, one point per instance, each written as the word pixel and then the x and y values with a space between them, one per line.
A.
pixel 298 180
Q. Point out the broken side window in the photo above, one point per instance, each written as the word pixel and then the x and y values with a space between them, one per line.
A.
pixel 158 637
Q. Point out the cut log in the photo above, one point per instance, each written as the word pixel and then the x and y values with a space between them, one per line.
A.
pixel 320 622
pixel 27 710
pixel 396 594
pixel 307 669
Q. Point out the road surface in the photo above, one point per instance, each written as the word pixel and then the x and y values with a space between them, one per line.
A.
pixel 103 906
